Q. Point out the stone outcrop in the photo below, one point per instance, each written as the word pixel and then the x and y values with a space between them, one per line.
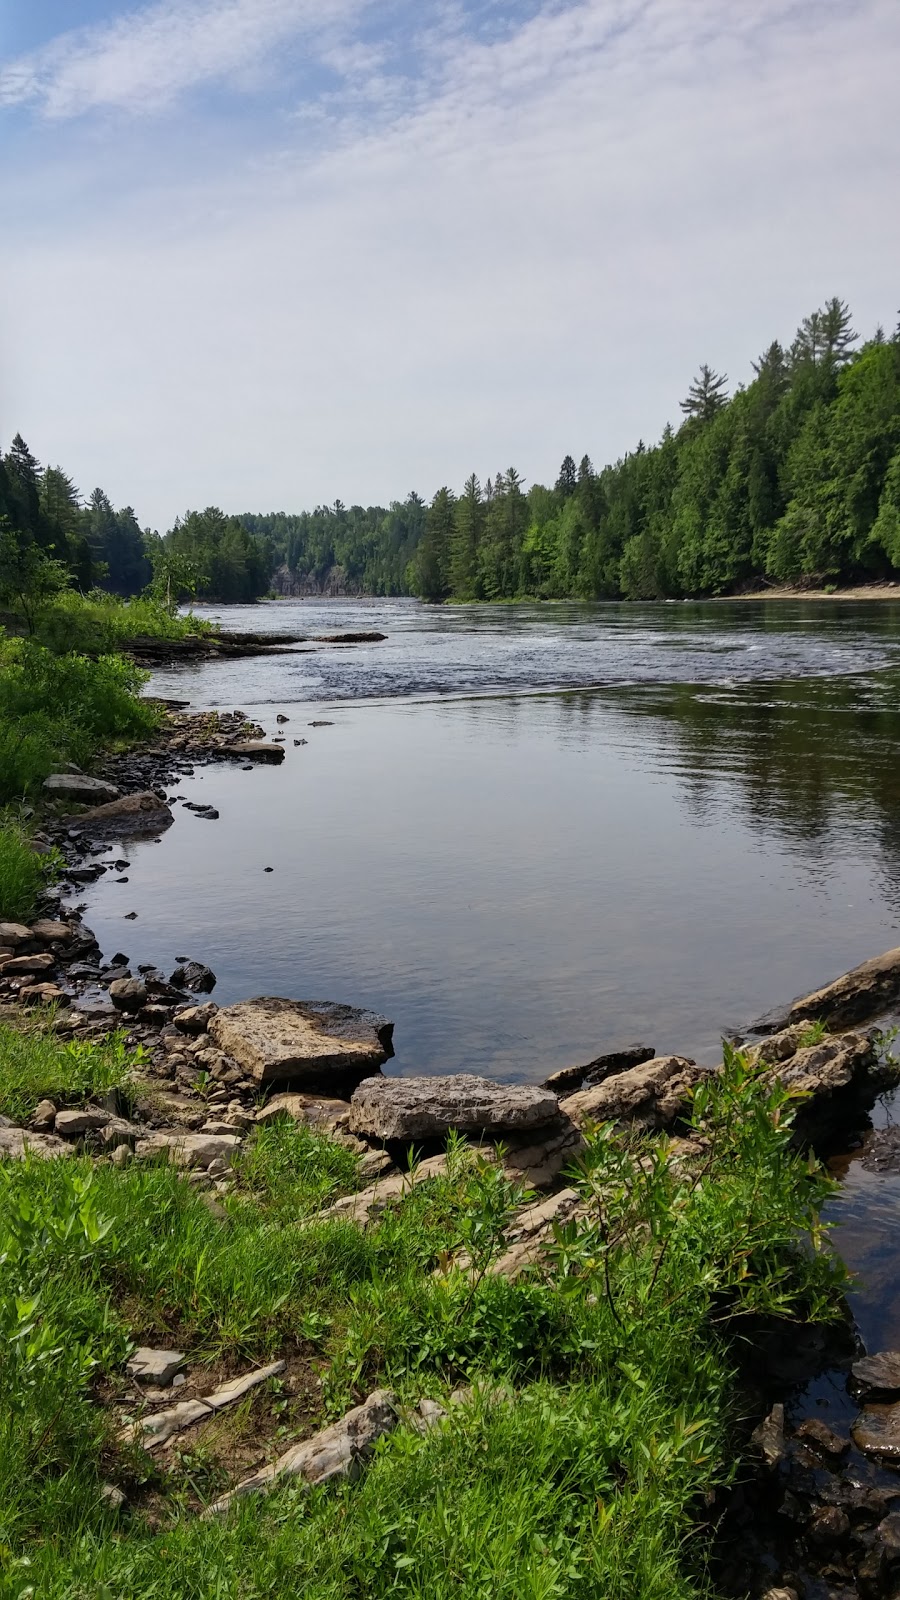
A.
pixel 878 1376
pixel 337 1452
pixel 854 997
pixel 156 1429
pixel 427 1108
pixel 315 1043
pixel 76 786
pixel 134 813
pixel 822 1070
pixel 651 1096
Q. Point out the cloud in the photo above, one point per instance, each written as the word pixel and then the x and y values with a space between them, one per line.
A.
pixel 526 249
pixel 142 60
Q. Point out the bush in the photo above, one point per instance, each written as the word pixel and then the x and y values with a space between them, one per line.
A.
pixel 23 873
pixel 100 623
pixel 55 709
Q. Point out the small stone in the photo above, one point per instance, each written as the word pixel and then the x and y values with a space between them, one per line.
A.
pixel 113 1497
pixel 148 1365
pixel 828 1525
pixel 69 1124
pixel 43 1116
pixel 128 994
pixel 769 1436
pixel 195 1019
pixel 815 1432
pixel 121 1155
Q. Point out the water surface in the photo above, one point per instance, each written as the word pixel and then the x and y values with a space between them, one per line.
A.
pixel 530 834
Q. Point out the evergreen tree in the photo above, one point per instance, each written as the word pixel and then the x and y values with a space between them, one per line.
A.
pixel 465 540
pixel 567 481
pixel 706 395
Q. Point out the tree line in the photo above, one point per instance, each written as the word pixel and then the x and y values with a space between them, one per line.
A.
pixel 794 477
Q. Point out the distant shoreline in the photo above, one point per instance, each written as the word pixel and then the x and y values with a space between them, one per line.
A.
pixel 857 591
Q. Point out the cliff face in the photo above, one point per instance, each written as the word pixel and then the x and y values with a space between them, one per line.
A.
pixel 335 583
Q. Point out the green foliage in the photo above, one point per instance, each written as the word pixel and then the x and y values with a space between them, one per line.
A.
pixel 603 1384
pixel 23 874
pixel 57 708
pixel 34 1066
pixel 29 579
pixel 101 624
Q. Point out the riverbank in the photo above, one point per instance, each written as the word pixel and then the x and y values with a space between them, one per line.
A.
pixel 313 1294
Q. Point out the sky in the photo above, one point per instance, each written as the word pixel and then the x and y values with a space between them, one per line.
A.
pixel 264 254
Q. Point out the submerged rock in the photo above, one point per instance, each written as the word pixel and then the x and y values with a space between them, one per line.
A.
pixel 313 1042
pixel 650 1096
pixel 427 1108
pixel 195 976
pixel 253 750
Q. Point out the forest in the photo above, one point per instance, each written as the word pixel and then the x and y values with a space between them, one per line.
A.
pixel 792 478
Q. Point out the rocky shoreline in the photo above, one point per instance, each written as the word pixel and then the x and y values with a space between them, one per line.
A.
pixel 818 1513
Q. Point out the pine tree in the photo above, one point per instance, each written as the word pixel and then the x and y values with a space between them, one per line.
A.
pixel 464 542
pixel 706 395
pixel 567 481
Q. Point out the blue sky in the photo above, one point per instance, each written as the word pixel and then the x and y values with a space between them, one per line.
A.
pixel 264 253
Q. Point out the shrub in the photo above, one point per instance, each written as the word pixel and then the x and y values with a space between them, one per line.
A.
pixel 23 873
pixel 55 709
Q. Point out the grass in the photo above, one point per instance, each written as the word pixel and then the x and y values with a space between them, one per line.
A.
pixel 581 1478
pixel 23 874
pixel 100 623
pixel 63 708
pixel 35 1066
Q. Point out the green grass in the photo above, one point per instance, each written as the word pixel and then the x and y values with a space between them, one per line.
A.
pixel 63 708
pixel 35 1066
pixel 581 1479
pixel 101 623
pixel 23 874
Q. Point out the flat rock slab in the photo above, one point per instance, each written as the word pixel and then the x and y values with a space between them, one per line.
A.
pixel 134 813
pixel 877 1432
pixel 367 1204
pixel 75 786
pixel 81 1120
pixel 315 1110
pixel 336 1452
pixel 155 1430
pixel 17 1143
pixel 427 1108
pixel 13 934
pixel 855 996
pixel 316 1043
pixel 51 932
pixel 155 1366
pixel 878 1374
pixel 188 1149
pixel 650 1096
pixel 253 750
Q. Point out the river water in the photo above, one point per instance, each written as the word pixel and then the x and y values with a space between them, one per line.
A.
pixel 529 834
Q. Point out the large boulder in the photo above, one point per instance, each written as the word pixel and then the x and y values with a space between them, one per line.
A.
pixel 315 1043
pixel 650 1096
pixel 75 786
pixel 427 1108
pixel 854 997
pixel 134 813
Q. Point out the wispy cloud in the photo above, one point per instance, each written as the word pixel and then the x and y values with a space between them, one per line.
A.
pixel 474 245
pixel 142 60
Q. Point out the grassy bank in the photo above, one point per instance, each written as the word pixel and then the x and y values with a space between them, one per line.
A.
pixel 604 1409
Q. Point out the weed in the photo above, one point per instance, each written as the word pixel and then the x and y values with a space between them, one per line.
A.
pixel 23 874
